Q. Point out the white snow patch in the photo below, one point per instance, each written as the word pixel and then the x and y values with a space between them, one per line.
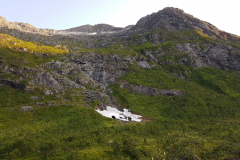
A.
pixel 123 116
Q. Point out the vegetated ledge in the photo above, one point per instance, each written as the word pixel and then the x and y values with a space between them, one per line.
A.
pixel 150 91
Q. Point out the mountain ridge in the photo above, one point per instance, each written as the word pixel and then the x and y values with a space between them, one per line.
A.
pixel 168 18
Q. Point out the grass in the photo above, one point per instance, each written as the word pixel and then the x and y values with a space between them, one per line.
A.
pixel 24 59
pixel 203 123
pixel 8 41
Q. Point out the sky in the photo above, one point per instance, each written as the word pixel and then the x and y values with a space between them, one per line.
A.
pixel 64 14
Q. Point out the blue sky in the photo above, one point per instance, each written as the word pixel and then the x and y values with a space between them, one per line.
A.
pixel 64 14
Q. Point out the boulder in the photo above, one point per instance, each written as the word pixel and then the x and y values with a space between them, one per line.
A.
pixel 143 64
pixel 24 49
pixel 35 97
pixel 26 108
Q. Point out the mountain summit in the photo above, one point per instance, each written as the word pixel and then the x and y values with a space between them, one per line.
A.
pixel 176 19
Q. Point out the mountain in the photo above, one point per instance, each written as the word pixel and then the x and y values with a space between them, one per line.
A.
pixel 178 73
pixel 176 19
pixel 25 27
pixel 95 29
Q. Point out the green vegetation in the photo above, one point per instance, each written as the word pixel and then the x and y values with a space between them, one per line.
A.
pixel 204 123
pixel 24 59
pixel 16 44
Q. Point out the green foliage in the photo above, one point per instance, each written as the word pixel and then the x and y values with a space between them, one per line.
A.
pixel 23 59
pixel 16 44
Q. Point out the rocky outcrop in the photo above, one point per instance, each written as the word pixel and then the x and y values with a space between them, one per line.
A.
pixel 143 64
pixel 150 91
pixel 209 55
pixel 150 56
pixel 103 68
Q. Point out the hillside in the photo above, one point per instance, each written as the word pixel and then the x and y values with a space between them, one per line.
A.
pixel 179 73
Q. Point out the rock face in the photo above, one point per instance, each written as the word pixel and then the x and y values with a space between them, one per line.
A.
pixel 213 55
pixel 87 73
pixel 150 91
pixel 103 68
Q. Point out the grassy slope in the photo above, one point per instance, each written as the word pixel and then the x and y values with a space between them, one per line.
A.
pixel 8 41
pixel 203 123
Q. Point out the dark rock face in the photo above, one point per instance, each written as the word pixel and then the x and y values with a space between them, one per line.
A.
pixel 150 91
pixel 12 83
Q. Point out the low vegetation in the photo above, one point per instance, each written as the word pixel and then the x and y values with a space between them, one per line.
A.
pixel 13 43
pixel 204 123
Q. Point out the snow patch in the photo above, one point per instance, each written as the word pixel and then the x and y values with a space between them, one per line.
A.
pixel 111 112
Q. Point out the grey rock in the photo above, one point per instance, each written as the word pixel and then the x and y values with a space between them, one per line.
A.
pixel 143 64
pixel 213 55
pixel 26 108
pixel 160 55
pixel 168 92
pixel 35 97
pixel 101 68
pixel 150 91
pixel 46 79
pixel 150 56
